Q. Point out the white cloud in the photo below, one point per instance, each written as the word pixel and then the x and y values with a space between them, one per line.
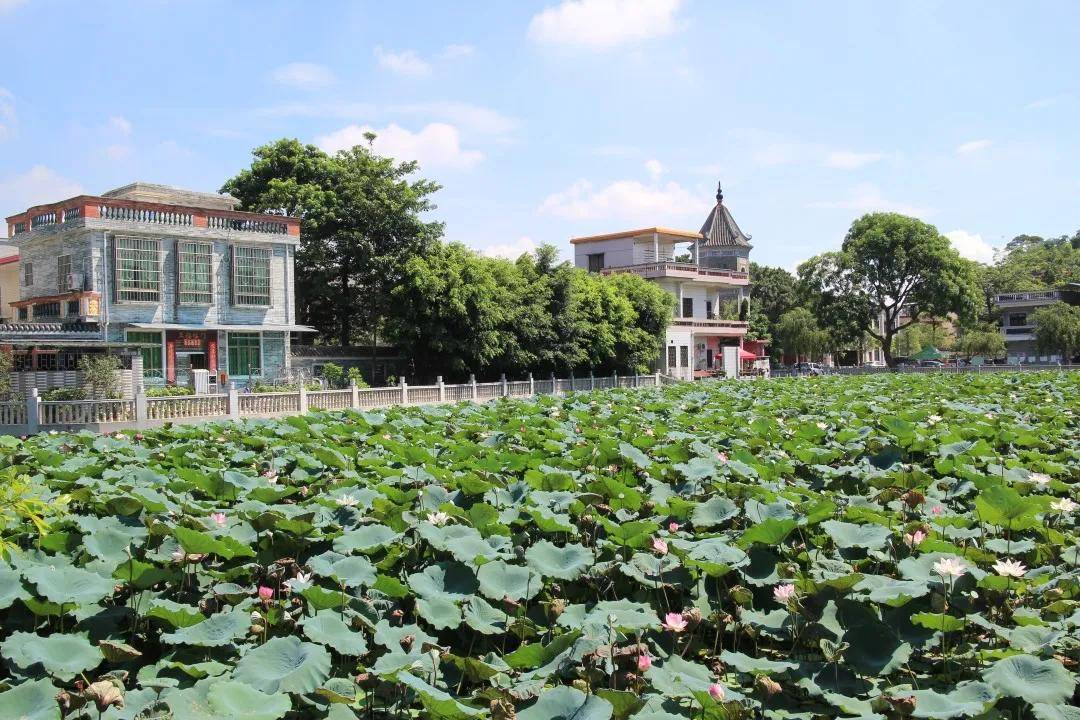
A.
pixel 623 200
pixel 453 52
pixel 36 186
pixel 971 246
pixel 654 168
pixel 973 146
pixel 474 119
pixel 406 62
pixel 510 251
pixel 7 114
pixel 303 75
pixel 846 160
pixel 434 145
pixel 601 24
pixel 864 198
pixel 120 125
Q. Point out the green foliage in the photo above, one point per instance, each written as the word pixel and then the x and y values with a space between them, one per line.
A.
pixel 101 376
pixel 1057 329
pixel 798 333
pixel 333 373
pixel 169 391
pixel 354 375
pixel 64 393
pixel 829 547
pixel 984 341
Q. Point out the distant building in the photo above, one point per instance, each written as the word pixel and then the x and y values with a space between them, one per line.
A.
pixel 706 271
pixel 1017 327
pixel 9 285
pixel 179 276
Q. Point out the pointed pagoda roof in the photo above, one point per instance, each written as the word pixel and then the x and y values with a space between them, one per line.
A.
pixel 720 229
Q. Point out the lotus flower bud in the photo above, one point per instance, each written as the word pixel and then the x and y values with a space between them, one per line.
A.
pixel 366 680
pixel 741 596
pixel 407 642
pixel 913 499
pixel 256 629
pixel 693 616
pixel 586 519
pixel 510 605
pixel 581 685
pixel 557 606
pixel 767 685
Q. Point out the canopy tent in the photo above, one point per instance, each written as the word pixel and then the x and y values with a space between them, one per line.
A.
pixel 928 353
pixel 745 355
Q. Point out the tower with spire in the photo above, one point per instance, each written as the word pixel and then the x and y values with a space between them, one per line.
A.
pixel 723 245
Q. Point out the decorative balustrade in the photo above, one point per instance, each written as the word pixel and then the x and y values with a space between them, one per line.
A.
pixel 74 213
pixel 330 399
pixel 518 388
pixel 13 413
pixel 186 406
pixel 269 403
pixel 379 397
pixel 457 393
pixel 423 394
pixel 145 215
pixel 1026 298
pixel 85 412
pixel 487 391
pixel 221 222
pixel 47 218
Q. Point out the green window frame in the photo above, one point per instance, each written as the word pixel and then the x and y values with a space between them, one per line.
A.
pixel 251 275
pixel 138 269
pixel 195 272
pixel 245 354
pixel 153 367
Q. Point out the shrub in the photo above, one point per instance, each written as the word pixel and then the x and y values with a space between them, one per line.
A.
pixel 64 393
pixel 357 377
pixel 333 373
pixel 99 373
pixel 169 391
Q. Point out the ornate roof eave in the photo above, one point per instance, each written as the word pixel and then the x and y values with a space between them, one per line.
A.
pixel 720 228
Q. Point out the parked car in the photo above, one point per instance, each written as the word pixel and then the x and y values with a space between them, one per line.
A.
pixel 808 368
pixel 931 363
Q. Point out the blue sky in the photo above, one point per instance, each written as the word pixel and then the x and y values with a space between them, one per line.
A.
pixel 551 119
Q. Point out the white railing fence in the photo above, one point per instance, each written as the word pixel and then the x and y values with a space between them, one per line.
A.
pixel 34 414
pixel 949 369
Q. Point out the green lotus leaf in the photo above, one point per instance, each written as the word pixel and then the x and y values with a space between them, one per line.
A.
pixel 678 678
pixel 499 580
pixel 217 699
pixel 850 535
pixel 768 532
pixel 226 546
pixel 451 579
pixel 631 453
pixel 391 636
pixel 69 585
pixel 483 618
pixel 747 664
pixel 1002 506
pixel 64 656
pixel 567 703
pixel 439 611
pixel 623 615
pixel 938 621
pixel 967 699
pixel 563 563
pixel 284 664
pixel 1032 679
pixel 464 543
pixel 11 587
pixel 327 628
pixel 217 630
pixel 881 589
pixel 176 614
pixel 1043 711
pixel 31 700
pixel 714 512
pixel 364 539
pixel 438 703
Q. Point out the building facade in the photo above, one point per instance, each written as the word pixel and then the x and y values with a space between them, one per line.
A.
pixel 181 276
pixel 708 273
pixel 9 285
pixel 1017 327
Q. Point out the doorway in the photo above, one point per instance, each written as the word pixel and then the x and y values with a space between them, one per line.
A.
pixel 186 361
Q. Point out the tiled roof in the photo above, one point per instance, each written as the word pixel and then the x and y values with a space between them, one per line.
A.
pixel 48 331
pixel 720 229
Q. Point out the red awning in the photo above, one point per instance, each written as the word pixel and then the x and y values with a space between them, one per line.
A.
pixel 744 355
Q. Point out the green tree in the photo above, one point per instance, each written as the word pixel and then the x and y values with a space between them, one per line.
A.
pixel 799 334
pixel 772 293
pixel 910 341
pixel 828 291
pixel 890 262
pixel 100 375
pixel 362 223
pixel 333 373
pixel 1057 329
pixel 985 341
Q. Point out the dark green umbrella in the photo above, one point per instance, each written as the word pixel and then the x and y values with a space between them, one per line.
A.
pixel 928 353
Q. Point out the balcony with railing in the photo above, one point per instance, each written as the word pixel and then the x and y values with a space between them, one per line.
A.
pixel 712 325
pixel 681 271
pixel 1034 297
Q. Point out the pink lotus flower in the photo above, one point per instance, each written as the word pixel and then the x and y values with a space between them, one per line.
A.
pixel 218 518
pixel 644 662
pixel 716 692
pixel 659 546
pixel 674 622
pixel 783 593
pixel 914 539
pixel 673 527
pixel 265 593
pixel 937 510
pixel 721 456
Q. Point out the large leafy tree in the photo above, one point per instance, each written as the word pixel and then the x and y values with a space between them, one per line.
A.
pixel 772 292
pixel 985 340
pixel 1057 329
pixel 799 334
pixel 889 263
pixel 362 223
pixel 829 292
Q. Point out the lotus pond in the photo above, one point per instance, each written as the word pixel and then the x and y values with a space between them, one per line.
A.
pixel 875 547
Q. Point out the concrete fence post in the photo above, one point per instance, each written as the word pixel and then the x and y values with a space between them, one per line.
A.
pixel 572 388
pixel 404 391
pixel 505 385
pixel 140 406
pixel 472 383
pixel 554 385
pixel 592 380
pixel 303 398
pixel 532 385
pixel 442 388
pixel 33 411
pixel 355 390
pixel 233 401
pixel 656 381
pixel 614 379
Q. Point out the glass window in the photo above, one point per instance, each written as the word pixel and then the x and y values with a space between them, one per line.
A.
pixel 1018 319
pixel 671 356
pixel 596 262
pixel 28 273
pixel 72 308
pixel 688 307
pixel 244 354
pixel 151 356
pixel 195 279
pixel 24 314
pixel 63 273
pixel 47 310
pixel 251 275
pixel 138 269
pixel 684 356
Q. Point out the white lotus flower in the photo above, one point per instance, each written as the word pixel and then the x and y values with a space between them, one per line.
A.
pixel 934 419
pixel 438 518
pixel 950 566
pixel 1040 479
pixel 178 555
pixel 348 501
pixel 301 582
pixel 1064 506
pixel 1010 568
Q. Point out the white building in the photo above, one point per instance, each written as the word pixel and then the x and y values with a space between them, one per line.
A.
pixel 707 272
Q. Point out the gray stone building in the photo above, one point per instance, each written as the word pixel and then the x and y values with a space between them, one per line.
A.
pixel 181 276
pixel 1017 327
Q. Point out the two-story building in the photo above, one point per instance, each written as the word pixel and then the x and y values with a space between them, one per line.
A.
pixel 707 272
pixel 1017 327
pixel 180 275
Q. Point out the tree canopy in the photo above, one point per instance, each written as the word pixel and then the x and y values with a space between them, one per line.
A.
pixel 1057 329
pixel 799 334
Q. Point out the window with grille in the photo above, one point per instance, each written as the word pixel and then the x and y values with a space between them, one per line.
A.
pixel 151 353
pixel 596 262
pixel 28 273
pixel 245 357
pixel 63 273
pixel 138 269
pixel 47 310
pixel 251 275
pixel 195 261
pixel 24 314
pixel 72 308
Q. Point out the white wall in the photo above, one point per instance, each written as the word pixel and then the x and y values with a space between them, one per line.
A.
pixel 617 253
